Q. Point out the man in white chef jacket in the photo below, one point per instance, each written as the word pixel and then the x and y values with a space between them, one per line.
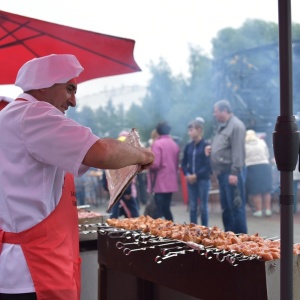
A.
pixel 39 148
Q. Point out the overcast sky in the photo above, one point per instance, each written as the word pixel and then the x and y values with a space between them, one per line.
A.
pixel 161 28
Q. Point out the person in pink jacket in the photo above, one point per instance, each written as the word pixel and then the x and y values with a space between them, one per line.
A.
pixel 164 171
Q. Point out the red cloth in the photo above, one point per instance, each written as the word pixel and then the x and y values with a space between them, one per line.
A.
pixel 3 104
pixel 184 188
pixel 51 249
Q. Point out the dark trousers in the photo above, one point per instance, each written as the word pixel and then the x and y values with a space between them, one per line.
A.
pixel 27 296
pixel 131 205
pixel 199 190
pixel 234 217
pixel 163 203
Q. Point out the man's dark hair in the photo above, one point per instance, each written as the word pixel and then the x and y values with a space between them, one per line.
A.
pixel 163 128
pixel 223 105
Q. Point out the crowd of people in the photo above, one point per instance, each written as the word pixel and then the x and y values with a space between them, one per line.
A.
pixel 238 158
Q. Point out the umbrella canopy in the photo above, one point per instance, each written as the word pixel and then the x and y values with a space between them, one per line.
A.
pixel 23 38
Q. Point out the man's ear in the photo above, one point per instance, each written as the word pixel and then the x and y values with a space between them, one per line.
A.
pixel 38 94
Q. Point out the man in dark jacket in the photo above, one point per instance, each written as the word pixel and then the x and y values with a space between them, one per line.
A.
pixel 196 168
pixel 228 162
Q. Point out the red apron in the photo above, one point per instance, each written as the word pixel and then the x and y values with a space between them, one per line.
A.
pixel 51 249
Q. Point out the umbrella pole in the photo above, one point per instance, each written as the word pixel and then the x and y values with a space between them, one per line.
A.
pixel 286 147
pixel 286 236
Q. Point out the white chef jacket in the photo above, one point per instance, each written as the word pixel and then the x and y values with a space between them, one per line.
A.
pixel 38 145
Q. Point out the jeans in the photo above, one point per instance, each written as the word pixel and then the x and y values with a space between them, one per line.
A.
pixel 234 217
pixel 131 204
pixel 199 190
pixel 80 196
pixel 163 203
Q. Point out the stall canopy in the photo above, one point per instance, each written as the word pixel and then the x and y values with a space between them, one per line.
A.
pixel 23 38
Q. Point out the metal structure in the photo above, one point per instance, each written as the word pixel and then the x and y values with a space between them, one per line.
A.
pixel 250 79
pixel 192 269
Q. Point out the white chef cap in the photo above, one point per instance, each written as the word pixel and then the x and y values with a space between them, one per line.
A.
pixel 43 72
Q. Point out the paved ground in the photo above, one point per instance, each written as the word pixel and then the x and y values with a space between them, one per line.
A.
pixel 265 226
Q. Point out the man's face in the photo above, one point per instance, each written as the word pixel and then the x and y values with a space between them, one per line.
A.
pixel 219 115
pixel 61 95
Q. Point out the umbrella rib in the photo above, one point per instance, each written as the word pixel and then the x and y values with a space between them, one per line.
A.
pixel 8 33
pixel 17 41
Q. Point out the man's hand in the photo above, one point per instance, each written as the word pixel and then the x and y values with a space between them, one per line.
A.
pixel 207 150
pixel 148 159
pixel 127 197
pixel 191 179
pixel 233 180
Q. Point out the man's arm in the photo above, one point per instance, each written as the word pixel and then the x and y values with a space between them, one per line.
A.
pixel 184 162
pixel 237 150
pixel 113 154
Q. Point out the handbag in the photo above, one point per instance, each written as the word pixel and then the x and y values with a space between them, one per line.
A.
pixel 151 208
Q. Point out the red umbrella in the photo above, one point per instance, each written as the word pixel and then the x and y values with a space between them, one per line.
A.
pixel 23 38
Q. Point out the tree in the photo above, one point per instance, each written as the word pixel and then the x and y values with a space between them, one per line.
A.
pixel 244 68
pixel 158 101
pixel 252 34
pixel 87 118
pixel 177 100
pixel 199 89
pixel 110 120
pixel 73 113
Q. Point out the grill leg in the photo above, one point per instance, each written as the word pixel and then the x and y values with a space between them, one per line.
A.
pixel 144 289
pixel 102 283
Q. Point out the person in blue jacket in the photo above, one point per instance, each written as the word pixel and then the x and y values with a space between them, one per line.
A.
pixel 196 167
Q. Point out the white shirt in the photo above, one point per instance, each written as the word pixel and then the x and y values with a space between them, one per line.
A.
pixel 257 152
pixel 38 146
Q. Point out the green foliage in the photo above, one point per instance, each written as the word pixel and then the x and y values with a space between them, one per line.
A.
pixel 253 33
pixel 247 72
pixel 295 31
pixel 175 99
pixel 200 90
pixel 163 92
pixel 107 121
pixel 110 120
pixel 137 117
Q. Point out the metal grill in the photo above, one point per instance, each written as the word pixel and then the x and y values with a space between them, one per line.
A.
pixel 198 271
